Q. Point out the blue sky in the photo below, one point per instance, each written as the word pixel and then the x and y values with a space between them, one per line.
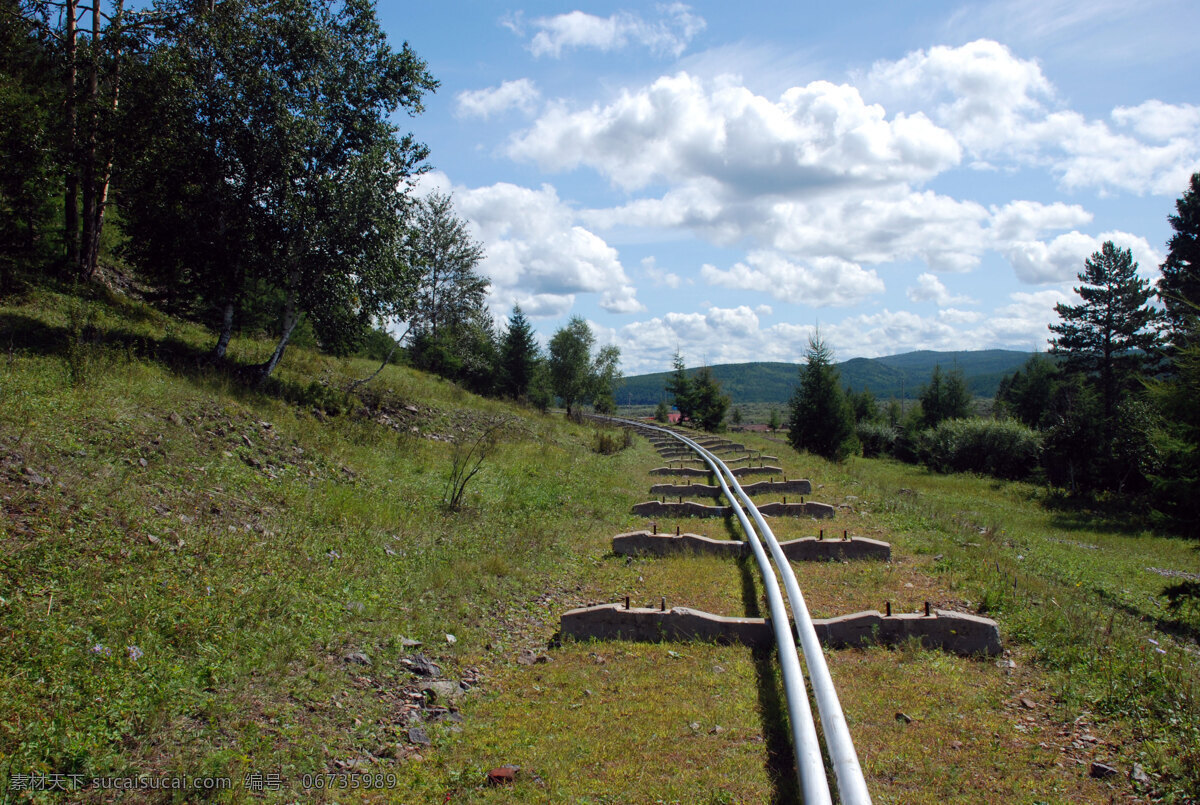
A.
pixel 724 180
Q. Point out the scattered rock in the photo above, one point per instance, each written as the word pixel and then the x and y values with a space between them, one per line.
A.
pixel 904 718
pixel 442 690
pixel 142 462
pixel 409 643
pixel 175 418
pixel 418 735
pixel 1101 771
pixel 530 657
pixel 1027 704
pixel 956 744
pixel 717 730
pixel 355 606
pixel 153 540
pixel 421 665
pixel 412 409
pixel 451 639
pixel 357 658
pixel 694 726
pixel 1138 775
pixel 717 669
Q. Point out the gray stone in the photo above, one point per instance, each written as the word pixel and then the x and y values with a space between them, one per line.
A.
pixel 421 665
pixel 418 735
pixel 443 690
pixel 1102 771
pixel 357 658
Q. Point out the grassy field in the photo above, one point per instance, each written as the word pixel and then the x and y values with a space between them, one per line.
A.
pixel 199 577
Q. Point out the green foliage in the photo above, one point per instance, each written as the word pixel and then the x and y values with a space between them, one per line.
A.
pixel 1109 336
pixel 518 356
pixel 1177 439
pixel 679 386
pixel 1001 448
pixel 450 292
pixel 821 417
pixel 465 352
pixel 863 404
pixel 736 419
pixel 774 422
pixel 877 438
pixel 570 362
pixel 661 412
pixel 945 397
pixel 610 441
pixel 605 374
pixel 1026 394
pixel 1179 285
pixel 708 401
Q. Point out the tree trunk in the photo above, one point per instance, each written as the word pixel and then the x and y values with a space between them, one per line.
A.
pixel 71 193
pixel 87 266
pixel 226 330
pixel 291 315
pixel 104 180
pixel 375 374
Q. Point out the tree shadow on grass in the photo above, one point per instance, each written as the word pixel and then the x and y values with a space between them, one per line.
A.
pixel 772 704
pixel 25 334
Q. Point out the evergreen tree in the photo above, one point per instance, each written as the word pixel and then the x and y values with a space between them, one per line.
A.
pixel 709 404
pixel 1109 336
pixel 661 413
pixel 1025 395
pixel 1179 286
pixel 680 387
pixel 1178 441
pixel 773 423
pixel 822 420
pixel 518 355
pixel 946 397
pixel 736 419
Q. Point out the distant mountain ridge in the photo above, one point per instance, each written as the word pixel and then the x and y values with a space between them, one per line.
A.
pixel 901 376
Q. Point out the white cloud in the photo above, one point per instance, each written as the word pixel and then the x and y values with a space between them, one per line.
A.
pixel 659 277
pixel 1159 121
pixel 1061 259
pixel 1026 220
pixel 930 288
pixel 536 255
pixel 678 130
pixel 823 282
pixel 1001 109
pixel 520 94
pixel 952 315
pixel 667 35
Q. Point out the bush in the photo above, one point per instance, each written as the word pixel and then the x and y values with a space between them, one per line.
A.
pixel 1004 449
pixel 877 438
pixel 606 443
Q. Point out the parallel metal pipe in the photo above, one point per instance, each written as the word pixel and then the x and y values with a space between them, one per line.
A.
pixel 810 767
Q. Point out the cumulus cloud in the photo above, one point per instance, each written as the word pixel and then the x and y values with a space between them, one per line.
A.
pixel 1001 108
pixel 669 34
pixel 1061 259
pixel 520 94
pixel 822 282
pixel 536 255
pixel 679 130
pixel 930 289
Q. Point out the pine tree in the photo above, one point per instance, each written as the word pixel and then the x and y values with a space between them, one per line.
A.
pixel 680 386
pixel 773 423
pixel 822 419
pixel 518 355
pixel 1110 336
pixel 661 414
pixel 709 404
pixel 1179 286
pixel 946 397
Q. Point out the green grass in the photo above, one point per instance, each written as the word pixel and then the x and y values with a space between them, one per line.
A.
pixel 246 540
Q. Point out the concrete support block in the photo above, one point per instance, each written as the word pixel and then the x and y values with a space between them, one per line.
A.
pixel 954 632
pixel 806 549
pixel 798 486
pixel 657 508
pixel 696 472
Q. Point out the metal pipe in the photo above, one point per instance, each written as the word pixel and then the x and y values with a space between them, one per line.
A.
pixel 810 767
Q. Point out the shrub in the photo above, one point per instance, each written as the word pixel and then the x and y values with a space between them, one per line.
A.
pixel 1004 449
pixel 877 438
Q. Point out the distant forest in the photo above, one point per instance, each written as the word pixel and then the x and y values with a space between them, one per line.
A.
pixel 898 376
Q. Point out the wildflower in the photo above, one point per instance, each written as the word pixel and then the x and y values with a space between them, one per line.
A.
pixel 135 653
pixel 1152 640
pixel 101 650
